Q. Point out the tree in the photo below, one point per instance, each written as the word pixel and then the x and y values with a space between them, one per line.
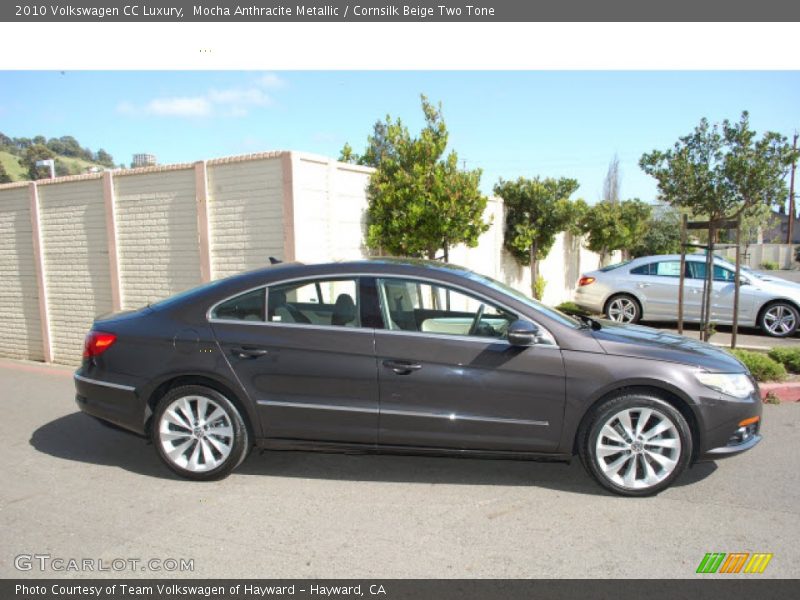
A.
pixel 721 172
pixel 612 182
pixel 104 158
pixel 612 227
pixel 536 211
pixel 4 176
pixel 662 235
pixel 31 155
pixel 420 202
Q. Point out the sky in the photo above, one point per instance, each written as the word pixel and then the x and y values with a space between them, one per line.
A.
pixel 508 123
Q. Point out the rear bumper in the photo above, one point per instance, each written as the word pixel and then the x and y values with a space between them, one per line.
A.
pixel 111 401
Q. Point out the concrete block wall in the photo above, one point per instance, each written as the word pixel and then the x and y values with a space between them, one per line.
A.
pixel 245 213
pixel 75 256
pixel 19 295
pixel 329 208
pixel 157 235
pixel 77 247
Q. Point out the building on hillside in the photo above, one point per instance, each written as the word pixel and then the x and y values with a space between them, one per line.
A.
pixel 143 160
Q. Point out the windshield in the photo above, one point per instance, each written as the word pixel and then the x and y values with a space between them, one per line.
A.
pixel 527 300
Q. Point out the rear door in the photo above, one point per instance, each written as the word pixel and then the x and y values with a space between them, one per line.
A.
pixel 306 360
pixel 658 284
pixel 449 379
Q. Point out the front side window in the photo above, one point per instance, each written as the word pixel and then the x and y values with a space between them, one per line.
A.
pixel 331 302
pixel 410 305
pixel 697 270
pixel 247 307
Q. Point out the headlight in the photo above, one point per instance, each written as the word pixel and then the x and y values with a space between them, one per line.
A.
pixel 737 385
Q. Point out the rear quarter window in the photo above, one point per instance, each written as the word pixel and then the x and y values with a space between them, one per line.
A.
pixel 249 306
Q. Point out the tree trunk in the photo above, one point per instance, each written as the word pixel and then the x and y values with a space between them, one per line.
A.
pixel 446 252
pixel 709 283
pixel 534 269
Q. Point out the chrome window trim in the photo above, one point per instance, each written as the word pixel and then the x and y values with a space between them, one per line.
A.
pixel 117 386
pixel 358 275
pixel 402 413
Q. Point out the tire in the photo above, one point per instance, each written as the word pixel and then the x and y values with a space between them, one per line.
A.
pixel 779 319
pixel 644 465
pixel 623 308
pixel 199 433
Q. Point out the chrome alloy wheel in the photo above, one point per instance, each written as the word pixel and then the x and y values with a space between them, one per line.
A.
pixel 196 433
pixel 622 309
pixel 638 448
pixel 780 320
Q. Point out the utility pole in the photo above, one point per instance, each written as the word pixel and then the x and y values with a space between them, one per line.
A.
pixel 790 234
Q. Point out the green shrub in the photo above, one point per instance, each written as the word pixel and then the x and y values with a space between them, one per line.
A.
pixel 761 366
pixel 570 308
pixel 788 357
pixel 538 287
pixel 770 265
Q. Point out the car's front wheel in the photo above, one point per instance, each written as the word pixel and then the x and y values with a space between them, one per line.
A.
pixel 199 433
pixel 623 309
pixel 780 319
pixel 635 444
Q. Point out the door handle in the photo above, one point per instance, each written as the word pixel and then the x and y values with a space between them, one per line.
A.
pixel 402 367
pixel 248 351
pixel 644 285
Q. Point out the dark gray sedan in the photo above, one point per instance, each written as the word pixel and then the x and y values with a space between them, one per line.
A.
pixel 411 357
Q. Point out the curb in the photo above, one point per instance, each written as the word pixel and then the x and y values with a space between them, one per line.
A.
pixel 785 392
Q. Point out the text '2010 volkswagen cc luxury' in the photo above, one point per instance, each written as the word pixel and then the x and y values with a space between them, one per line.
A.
pixel 411 357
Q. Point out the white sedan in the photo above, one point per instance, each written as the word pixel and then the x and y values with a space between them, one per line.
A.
pixel 647 288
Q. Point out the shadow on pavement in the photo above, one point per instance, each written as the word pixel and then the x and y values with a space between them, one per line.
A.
pixel 80 438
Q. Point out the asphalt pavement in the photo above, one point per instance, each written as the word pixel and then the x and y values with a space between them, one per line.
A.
pixel 74 489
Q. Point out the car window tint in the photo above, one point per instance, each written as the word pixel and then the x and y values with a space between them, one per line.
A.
pixel 698 271
pixel 668 268
pixel 328 302
pixel 247 307
pixel 410 305
pixel 647 269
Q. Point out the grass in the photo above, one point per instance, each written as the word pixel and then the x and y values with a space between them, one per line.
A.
pixel 12 166
pixel 75 166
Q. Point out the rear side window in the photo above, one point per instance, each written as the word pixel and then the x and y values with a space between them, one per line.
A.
pixel 326 302
pixel 644 270
pixel 247 307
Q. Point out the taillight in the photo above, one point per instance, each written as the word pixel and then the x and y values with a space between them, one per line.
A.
pixel 97 342
pixel 585 280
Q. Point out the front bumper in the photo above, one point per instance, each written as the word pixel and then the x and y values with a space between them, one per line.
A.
pixel 728 436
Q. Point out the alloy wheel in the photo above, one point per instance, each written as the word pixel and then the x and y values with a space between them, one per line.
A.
pixel 780 320
pixel 196 433
pixel 622 309
pixel 638 448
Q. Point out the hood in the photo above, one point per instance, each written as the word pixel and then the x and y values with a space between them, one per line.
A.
pixel 645 342
pixel 777 286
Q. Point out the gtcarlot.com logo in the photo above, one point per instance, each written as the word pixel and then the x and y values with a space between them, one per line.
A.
pixel 734 562
pixel 47 562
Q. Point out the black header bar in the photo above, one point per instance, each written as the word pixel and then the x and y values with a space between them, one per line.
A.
pixel 392 11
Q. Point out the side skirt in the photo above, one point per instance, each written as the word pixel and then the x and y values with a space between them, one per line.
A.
pixel 339 447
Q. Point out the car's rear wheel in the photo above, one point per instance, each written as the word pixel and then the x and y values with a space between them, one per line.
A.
pixel 635 444
pixel 780 319
pixel 199 433
pixel 623 308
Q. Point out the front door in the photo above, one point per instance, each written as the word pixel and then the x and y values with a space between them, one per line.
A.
pixel 306 361
pixel 449 379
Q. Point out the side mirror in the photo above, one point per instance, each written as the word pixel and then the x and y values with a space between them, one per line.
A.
pixel 744 281
pixel 522 333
